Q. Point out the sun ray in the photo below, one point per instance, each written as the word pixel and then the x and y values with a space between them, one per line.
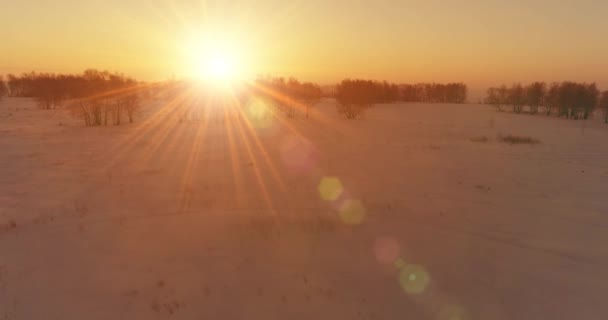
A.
pixel 256 168
pixel 234 156
pixel 170 129
pixel 199 138
pixel 164 127
pixel 261 148
pixel 153 123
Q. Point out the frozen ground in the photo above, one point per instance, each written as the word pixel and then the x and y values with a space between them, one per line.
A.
pixel 217 217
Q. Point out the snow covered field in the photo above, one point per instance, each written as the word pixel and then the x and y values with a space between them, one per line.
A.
pixel 417 211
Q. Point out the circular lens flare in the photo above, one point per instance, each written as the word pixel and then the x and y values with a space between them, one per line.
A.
pixel 352 212
pixel 330 188
pixel 386 250
pixel 413 279
pixel 453 312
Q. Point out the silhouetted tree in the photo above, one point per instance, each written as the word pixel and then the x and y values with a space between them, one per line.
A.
pixel 552 98
pixel 535 94
pixel 48 90
pixel 588 98
pixel 517 97
pixel 288 96
pixel 497 97
pixel 503 94
pixel 492 98
pixel 3 88
pixel 131 105
pixel 566 99
pixel 434 92
pixel 354 96
pixel 572 100
pixel 309 94
pixel 455 93
pixel 577 100
pixel 18 86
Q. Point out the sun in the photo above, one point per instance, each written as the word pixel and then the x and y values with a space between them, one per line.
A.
pixel 219 66
pixel 214 59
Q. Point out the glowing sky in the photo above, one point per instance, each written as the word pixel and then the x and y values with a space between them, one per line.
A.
pixel 479 42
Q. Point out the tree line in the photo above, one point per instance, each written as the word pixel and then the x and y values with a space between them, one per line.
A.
pixel 355 95
pixel 102 98
pixel 567 99
pixel 97 97
pixel 289 96
pixel 434 92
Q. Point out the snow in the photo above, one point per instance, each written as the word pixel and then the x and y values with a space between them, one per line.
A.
pixel 225 217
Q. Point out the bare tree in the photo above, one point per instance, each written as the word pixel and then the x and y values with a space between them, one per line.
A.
pixel 290 97
pixel 354 96
pixel 517 97
pixel 572 100
pixel 131 105
pixel 503 95
pixel 3 89
pixel 589 99
pixel 308 94
pixel 493 99
pixel 497 96
pixel 566 99
pixel 552 98
pixel 535 94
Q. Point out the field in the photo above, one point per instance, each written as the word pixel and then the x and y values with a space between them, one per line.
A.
pixel 416 211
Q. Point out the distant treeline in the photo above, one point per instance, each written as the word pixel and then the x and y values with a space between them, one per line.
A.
pixel 385 92
pixel 353 96
pixel 290 95
pixel 566 99
pixel 98 97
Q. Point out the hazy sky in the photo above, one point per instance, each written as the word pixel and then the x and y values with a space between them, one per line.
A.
pixel 479 42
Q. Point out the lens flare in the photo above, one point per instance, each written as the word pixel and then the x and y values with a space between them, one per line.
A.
pixel 352 212
pixel 259 113
pixel 298 155
pixel 330 188
pixel 386 250
pixel 453 312
pixel 413 279
pixel 399 263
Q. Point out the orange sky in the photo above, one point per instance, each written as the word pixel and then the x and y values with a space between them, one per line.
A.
pixel 478 42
